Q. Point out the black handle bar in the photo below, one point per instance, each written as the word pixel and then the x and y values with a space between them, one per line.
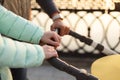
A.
pixel 78 73
pixel 72 70
pixel 92 43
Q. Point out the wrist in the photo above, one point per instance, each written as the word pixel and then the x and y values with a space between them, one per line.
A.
pixel 57 17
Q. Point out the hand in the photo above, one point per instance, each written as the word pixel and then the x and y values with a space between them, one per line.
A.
pixel 51 38
pixel 58 23
pixel 49 51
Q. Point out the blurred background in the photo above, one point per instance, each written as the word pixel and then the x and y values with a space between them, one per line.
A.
pixel 96 19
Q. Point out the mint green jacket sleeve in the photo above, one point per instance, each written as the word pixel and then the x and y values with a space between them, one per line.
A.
pixel 19 28
pixel 17 54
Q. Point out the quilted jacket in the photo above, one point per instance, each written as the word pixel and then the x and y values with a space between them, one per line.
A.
pixel 15 51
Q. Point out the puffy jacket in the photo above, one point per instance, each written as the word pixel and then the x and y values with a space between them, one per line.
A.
pixel 16 54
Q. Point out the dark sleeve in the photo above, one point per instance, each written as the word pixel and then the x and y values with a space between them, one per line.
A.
pixel 1 2
pixel 48 6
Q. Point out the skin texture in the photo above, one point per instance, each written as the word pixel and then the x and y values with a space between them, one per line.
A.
pixel 49 52
pixel 51 38
pixel 59 24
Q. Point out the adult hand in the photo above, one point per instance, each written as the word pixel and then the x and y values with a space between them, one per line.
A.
pixel 51 38
pixel 59 24
pixel 49 51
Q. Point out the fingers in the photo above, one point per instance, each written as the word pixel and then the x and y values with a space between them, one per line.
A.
pixel 56 37
pixel 55 40
pixel 49 51
pixel 52 28
pixel 64 29
pixel 51 38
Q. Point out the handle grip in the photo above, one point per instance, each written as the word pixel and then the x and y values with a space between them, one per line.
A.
pixel 92 43
pixel 78 73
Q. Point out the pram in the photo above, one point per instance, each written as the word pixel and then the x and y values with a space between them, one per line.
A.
pixel 80 74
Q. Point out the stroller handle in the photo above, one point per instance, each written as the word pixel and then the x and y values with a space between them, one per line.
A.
pixel 80 74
